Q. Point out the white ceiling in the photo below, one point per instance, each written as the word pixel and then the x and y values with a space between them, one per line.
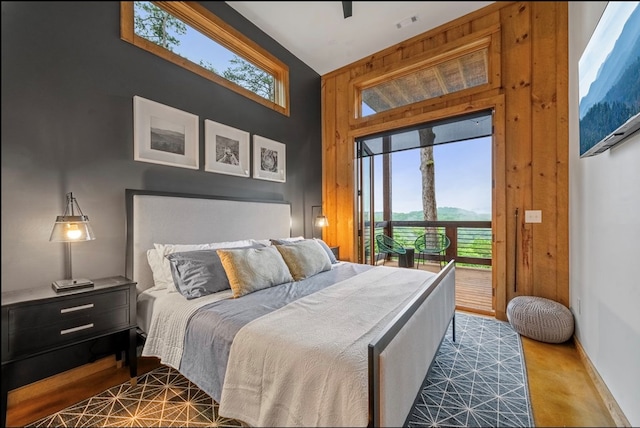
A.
pixel 317 33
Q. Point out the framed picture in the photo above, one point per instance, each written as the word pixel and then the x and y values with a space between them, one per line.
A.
pixel 226 149
pixel 269 159
pixel 164 135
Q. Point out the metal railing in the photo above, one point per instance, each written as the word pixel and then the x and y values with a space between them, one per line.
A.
pixel 471 241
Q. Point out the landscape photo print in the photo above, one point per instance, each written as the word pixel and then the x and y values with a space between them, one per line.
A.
pixel 164 135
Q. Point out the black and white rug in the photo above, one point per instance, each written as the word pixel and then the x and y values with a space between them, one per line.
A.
pixel 478 380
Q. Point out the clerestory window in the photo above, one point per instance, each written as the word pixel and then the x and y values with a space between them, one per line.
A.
pixel 192 37
pixel 460 68
pixel 432 81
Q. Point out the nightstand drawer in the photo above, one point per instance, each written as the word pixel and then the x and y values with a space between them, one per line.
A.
pixel 24 341
pixel 65 309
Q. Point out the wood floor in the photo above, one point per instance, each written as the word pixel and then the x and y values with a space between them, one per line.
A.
pixel 562 393
pixel 473 288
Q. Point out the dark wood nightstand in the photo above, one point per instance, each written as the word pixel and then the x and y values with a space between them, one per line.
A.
pixel 336 252
pixel 38 321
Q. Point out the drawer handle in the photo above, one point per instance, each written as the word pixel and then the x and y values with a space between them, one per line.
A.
pixel 76 308
pixel 74 329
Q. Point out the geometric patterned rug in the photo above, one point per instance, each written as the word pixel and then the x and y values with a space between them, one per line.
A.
pixel 162 397
pixel 478 380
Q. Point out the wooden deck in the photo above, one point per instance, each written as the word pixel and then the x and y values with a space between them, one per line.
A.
pixel 473 287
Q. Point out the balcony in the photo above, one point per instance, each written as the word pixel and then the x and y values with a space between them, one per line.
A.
pixel 471 246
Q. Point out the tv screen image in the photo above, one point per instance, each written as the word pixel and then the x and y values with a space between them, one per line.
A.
pixel 609 76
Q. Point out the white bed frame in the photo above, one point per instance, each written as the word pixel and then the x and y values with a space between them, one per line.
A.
pixel 399 358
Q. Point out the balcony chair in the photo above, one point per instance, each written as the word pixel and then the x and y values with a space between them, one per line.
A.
pixel 431 243
pixel 387 245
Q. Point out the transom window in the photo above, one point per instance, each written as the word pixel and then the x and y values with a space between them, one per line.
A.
pixel 454 75
pixel 463 67
pixel 192 37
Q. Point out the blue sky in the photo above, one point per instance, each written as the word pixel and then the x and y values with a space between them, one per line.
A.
pixel 463 177
pixel 195 46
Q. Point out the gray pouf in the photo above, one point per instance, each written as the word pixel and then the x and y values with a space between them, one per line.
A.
pixel 540 319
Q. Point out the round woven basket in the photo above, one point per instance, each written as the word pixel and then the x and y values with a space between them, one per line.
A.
pixel 540 319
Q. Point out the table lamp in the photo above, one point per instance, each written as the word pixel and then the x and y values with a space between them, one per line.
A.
pixel 70 227
pixel 320 222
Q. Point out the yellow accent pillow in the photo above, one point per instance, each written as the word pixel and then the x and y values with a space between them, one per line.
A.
pixel 252 269
pixel 305 258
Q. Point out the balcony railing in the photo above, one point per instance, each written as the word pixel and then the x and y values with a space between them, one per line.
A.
pixel 471 241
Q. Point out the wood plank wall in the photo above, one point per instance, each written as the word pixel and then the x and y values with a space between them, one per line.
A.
pixel 530 149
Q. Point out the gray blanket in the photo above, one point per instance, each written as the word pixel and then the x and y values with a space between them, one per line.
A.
pixel 211 329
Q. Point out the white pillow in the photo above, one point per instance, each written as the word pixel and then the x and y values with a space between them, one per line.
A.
pixel 275 241
pixel 155 263
pixel 265 242
pixel 165 276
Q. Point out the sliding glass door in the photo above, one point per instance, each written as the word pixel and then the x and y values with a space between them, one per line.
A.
pixel 398 165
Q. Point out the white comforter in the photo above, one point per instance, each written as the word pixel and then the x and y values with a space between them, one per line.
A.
pixel 306 363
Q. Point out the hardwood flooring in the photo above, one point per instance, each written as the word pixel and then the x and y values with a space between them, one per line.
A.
pixel 473 288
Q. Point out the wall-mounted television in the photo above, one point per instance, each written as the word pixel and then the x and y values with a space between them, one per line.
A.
pixel 609 76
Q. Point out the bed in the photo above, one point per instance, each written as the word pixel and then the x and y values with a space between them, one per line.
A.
pixel 309 351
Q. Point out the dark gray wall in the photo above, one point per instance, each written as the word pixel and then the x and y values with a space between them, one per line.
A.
pixel 68 82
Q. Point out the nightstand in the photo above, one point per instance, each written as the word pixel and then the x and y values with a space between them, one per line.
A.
pixel 336 252
pixel 39 321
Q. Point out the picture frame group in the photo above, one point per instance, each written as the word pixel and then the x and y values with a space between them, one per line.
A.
pixel 169 136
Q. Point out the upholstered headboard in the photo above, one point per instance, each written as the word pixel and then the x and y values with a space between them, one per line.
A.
pixel 178 218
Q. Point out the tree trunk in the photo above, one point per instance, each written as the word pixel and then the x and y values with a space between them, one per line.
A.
pixel 427 167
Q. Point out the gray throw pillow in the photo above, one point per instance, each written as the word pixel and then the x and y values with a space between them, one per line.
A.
pixel 199 273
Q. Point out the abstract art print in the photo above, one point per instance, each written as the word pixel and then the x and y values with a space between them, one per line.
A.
pixel 226 149
pixel 269 159
pixel 164 135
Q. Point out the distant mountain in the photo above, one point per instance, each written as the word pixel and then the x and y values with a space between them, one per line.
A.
pixel 450 213
pixel 444 214
pixel 611 84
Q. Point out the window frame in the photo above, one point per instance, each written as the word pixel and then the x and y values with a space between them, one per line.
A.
pixel 204 21
pixel 487 39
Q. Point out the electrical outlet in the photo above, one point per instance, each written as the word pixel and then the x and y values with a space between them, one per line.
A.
pixel 533 216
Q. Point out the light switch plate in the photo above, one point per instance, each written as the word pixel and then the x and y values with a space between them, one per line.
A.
pixel 533 216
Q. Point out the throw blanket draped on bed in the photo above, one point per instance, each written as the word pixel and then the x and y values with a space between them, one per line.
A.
pixel 165 338
pixel 306 363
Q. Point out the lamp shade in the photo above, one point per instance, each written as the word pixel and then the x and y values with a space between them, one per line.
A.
pixel 72 228
pixel 73 225
pixel 322 221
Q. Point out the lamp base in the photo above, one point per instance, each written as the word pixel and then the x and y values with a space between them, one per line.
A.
pixel 71 284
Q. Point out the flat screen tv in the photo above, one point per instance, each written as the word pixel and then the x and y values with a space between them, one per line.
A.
pixel 609 75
